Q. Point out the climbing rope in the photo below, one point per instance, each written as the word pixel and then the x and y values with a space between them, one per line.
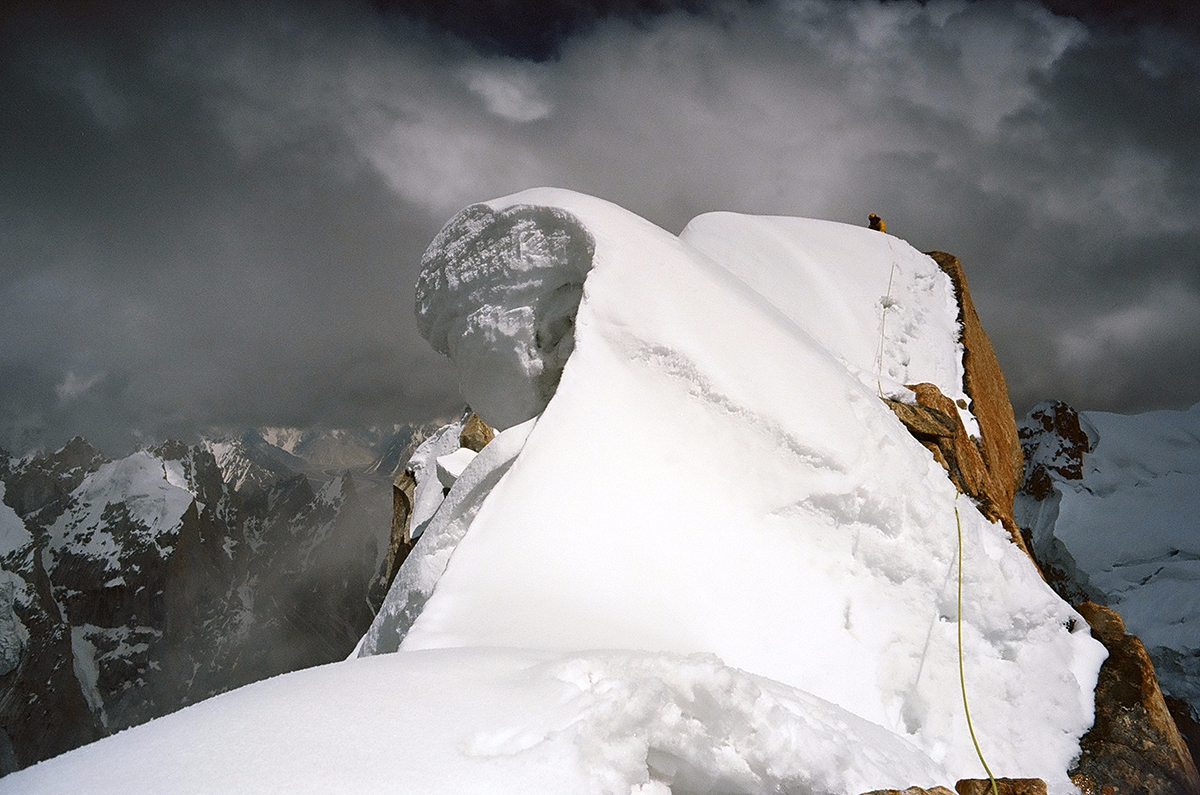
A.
pixel 962 677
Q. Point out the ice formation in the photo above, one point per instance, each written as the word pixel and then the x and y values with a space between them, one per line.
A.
pixel 498 293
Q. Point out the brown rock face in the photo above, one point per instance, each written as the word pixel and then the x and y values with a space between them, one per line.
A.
pixel 912 791
pixel 1060 422
pixel 985 385
pixel 1005 786
pixel 401 541
pixel 1134 745
pixel 936 424
pixel 476 434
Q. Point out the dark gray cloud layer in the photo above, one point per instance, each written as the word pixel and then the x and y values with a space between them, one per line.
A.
pixel 215 217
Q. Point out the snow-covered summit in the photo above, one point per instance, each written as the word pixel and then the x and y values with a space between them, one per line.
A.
pixel 715 472
pixel 701 554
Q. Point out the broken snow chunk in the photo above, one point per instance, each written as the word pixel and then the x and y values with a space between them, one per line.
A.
pixel 449 467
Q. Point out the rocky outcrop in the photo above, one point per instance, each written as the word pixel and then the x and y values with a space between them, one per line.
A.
pixel 401 541
pixel 1186 719
pixel 474 435
pixel 1004 786
pixel 988 391
pixel 1134 744
pixel 935 423
pixel 1059 422
pixel 975 786
pixel 987 469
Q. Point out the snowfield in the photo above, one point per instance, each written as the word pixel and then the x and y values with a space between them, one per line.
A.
pixel 701 556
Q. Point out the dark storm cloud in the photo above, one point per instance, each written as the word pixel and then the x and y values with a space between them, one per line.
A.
pixel 216 219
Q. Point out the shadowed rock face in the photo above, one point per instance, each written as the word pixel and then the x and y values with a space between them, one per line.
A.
pixel 1066 460
pixel 1134 745
pixel 1004 786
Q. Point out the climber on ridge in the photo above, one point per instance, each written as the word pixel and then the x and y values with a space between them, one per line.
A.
pixel 876 223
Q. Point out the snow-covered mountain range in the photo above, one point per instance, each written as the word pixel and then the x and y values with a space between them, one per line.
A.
pixel 1113 506
pixel 740 529
pixel 132 587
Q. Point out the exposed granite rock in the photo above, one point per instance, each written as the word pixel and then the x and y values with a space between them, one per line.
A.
pixel 935 422
pixel 1065 460
pixel 1004 786
pixel 476 434
pixel 1186 719
pixel 401 541
pixel 988 391
pixel 1134 744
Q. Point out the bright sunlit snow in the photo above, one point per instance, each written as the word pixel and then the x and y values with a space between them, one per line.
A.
pixel 701 556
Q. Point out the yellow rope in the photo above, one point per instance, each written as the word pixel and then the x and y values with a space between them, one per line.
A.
pixel 887 302
pixel 962 677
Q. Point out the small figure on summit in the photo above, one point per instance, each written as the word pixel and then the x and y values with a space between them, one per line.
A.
pixel 876 223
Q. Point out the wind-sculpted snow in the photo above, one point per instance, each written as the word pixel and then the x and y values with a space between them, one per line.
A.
pixel 440 535
pixel 831 284
pixel 662 723
pixel 513 721
pixel 715 473
pixel 498 293
pixel 428 493
pixel 703 556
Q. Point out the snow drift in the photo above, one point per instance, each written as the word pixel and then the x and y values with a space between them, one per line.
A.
pixel 701 555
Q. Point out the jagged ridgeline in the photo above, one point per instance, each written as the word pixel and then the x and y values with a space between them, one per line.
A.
pixel 131 588
pixel 732 512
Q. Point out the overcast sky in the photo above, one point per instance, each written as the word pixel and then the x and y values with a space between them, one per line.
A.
pixel 215 217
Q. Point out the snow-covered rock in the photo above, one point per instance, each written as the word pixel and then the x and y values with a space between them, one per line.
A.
pixel 702 555
pixel 715 473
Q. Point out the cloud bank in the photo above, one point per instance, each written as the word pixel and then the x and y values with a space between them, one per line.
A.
pixel 216 219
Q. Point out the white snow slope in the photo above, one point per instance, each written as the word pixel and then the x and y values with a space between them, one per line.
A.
pixel 711 560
